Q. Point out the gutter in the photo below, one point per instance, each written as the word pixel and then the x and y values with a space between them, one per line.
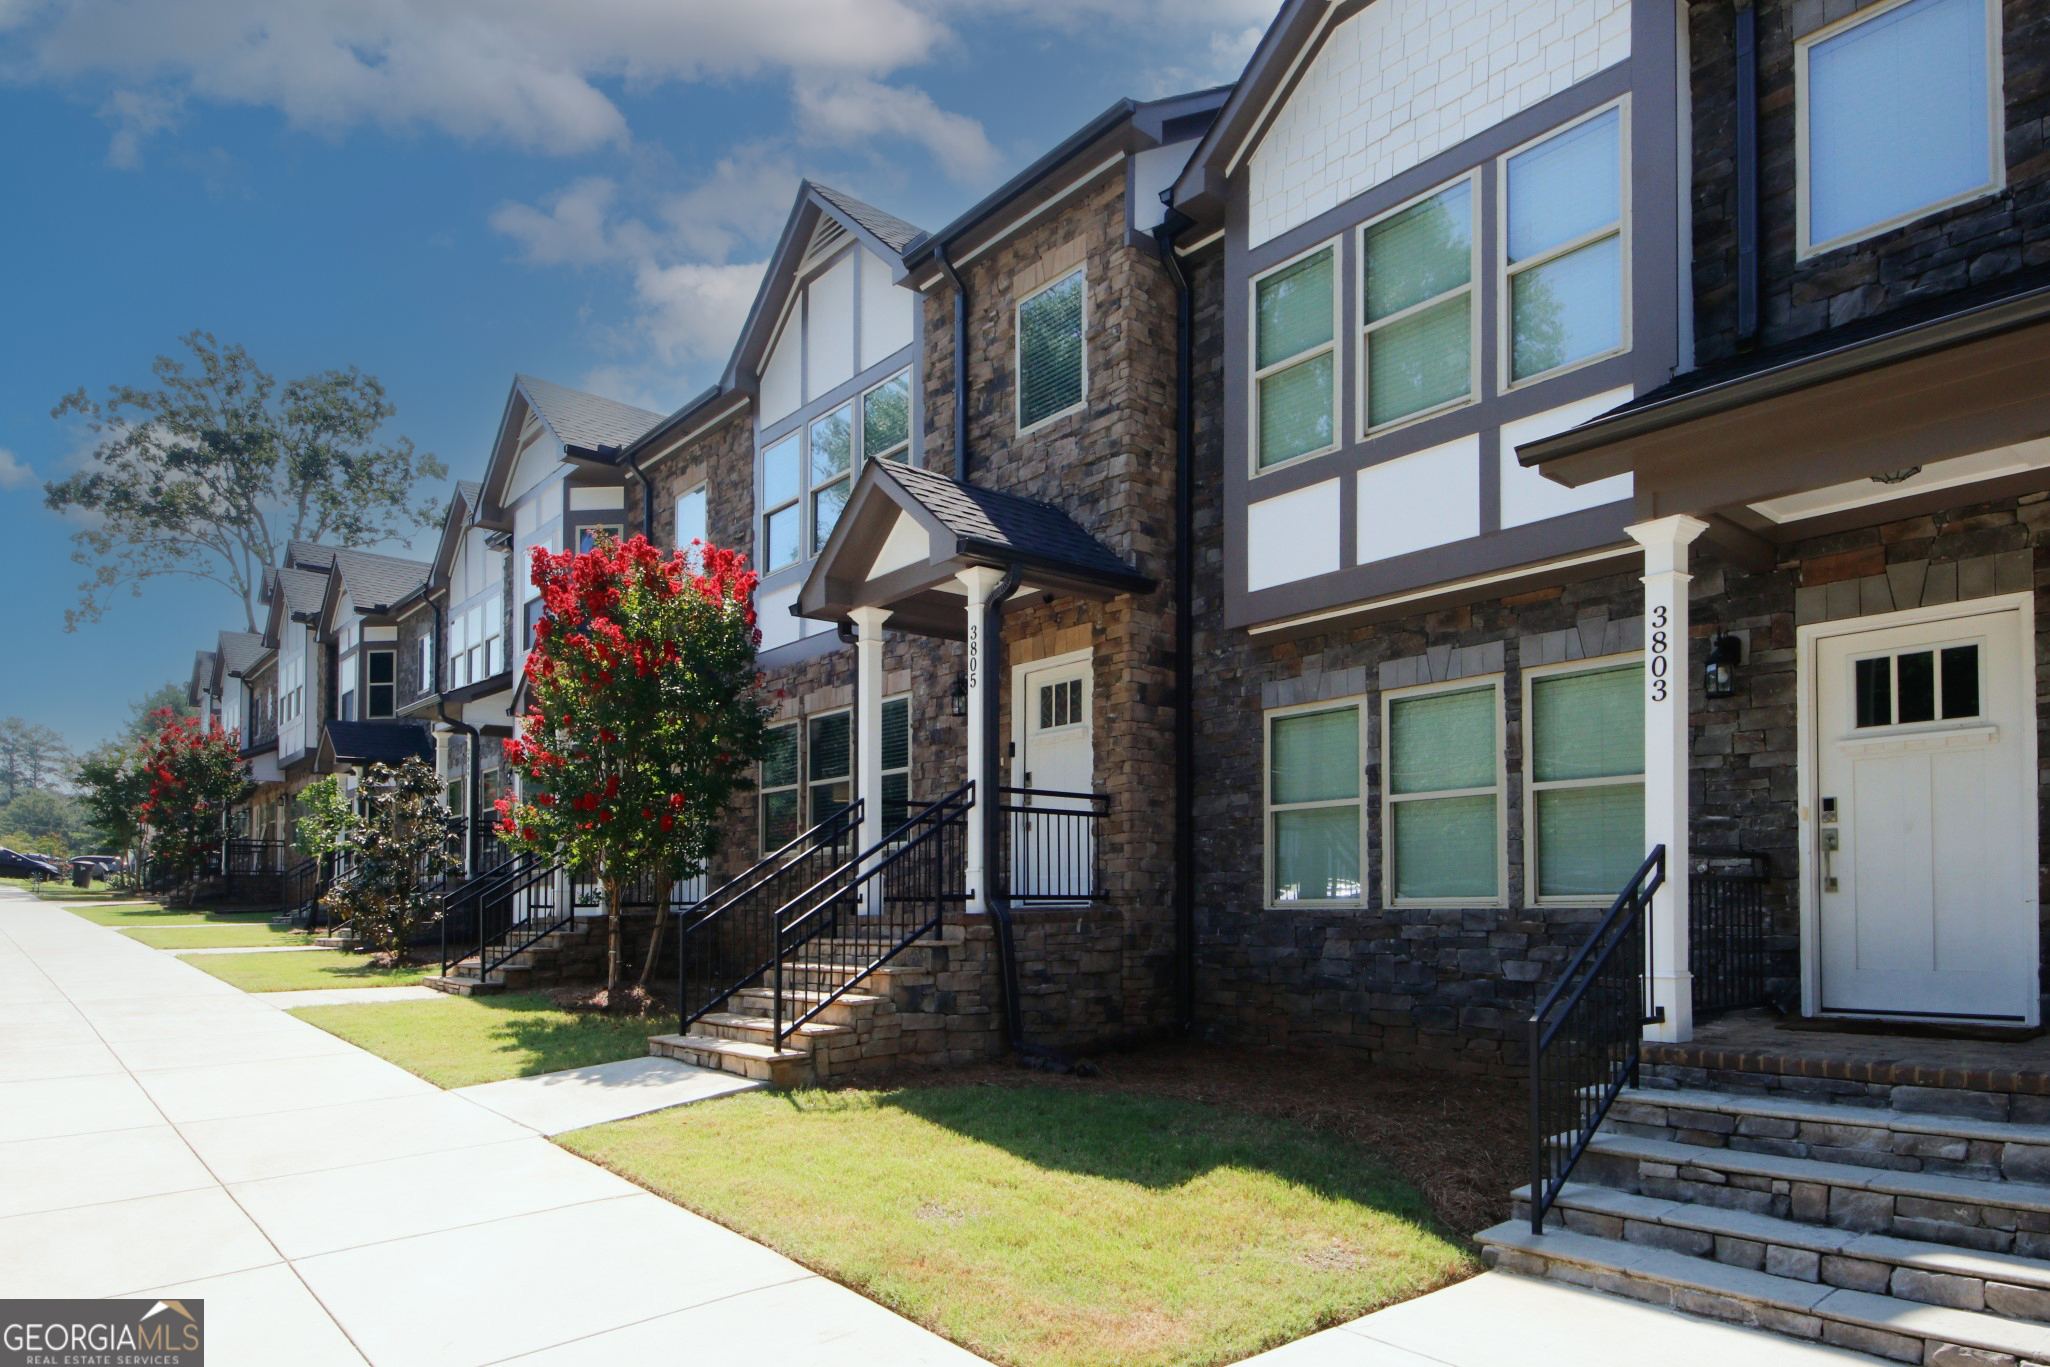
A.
pixel 1164 236
pixel 1747 172
pixel 647 494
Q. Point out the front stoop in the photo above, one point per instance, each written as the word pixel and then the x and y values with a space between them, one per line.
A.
pixel 892 1014
pixel 1907 1220
pixel 545 963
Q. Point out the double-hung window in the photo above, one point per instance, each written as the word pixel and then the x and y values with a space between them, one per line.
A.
pixel 778 788
pixel 1898 115
pixel 1314 827
pixel 587 537
pixel 459 649
pixel 782 503
pixel 896 762
pixel 494 635
pixel 886 419
pixel 829 762
pixel 1418 306
pixel 1584 823
pixel 1563 249
pixel 425 683
pixel 1295 327
pixel 691 525
pixel 832 471
pixel 1053 377
pixel 380 683
pixel 1442 813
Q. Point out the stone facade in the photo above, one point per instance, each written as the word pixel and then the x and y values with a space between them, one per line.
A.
pixel 1973 243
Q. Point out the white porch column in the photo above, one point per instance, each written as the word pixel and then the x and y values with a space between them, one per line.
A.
pixel 1668 675
pixel 980 582
pixel 868 719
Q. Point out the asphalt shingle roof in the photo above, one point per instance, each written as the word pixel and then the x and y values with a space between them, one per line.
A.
pixel 1000 522
pixel 309 555
pixel 894 231
pixel 239 650
pixel 303 590
pixel 378 581
pixel 585 420
pixel 378 742
pixel 472 495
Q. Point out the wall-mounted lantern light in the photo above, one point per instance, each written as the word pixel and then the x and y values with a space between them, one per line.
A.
pixel 959 696
pixel 1719 668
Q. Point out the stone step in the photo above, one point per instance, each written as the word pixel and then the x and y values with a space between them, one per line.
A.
pixel 1905 1331
pixel 463 987
pixel 850 1009
pixel 2015 1094
pixel 1908 1269
pixel 1993 1217
pixel 1960 1145
pixel 762 1029
pixel 743 1058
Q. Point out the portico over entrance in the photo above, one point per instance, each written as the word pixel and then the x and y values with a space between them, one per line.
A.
pixel 918 552
pixel 1852 525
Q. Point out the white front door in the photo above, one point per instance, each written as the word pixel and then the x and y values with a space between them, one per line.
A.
pixel 1052 855
pixel 1923 818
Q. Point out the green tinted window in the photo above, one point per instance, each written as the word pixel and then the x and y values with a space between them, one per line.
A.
pixel 1050 351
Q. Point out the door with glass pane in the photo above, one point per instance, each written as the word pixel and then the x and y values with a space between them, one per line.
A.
pixel 1052 848
pixel 1923 820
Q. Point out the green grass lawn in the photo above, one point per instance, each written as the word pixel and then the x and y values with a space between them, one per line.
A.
pixel 217 935
pixel 60 890
pixel 466 1040
pixel 1053 1228
pixel 296 972
pixel 141 914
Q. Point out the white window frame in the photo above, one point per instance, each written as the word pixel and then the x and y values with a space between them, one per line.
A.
pixel 1366 427
pixel 594 530
pixel 367 655
pixel 494 634
pixel 1996 132
pixel 910 746
pixel 1532 676
pixel 1505 273
pixel 1389 799
pixel 1358 703
pixel 1018 352
pixel 902 450
pixel 764 789
pixel 425 651
pixel 458 649
pixel 796 437
pixel 1256 373
pixel 701 491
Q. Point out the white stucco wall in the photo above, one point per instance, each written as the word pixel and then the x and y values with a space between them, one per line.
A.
pixel 1403 80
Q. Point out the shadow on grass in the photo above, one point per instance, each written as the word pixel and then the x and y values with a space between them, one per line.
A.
pixel 552 1039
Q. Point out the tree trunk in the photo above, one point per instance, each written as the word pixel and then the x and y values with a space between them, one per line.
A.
pixel 655 938
pixel 613 891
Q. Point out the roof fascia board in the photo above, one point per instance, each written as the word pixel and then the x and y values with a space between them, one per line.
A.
pixel 719 418
pixel 499 468
pixel 1200 188
pixel 1048 205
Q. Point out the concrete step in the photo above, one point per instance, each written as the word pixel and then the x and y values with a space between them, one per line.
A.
pixel 1907 1269
pixel 743 1058
pixel 762 1029
pixel 850 1009
pixel 1982 1093
pixel 1993 1217
pixel 463 987
pixel 1885 1326
pixel 1957 1144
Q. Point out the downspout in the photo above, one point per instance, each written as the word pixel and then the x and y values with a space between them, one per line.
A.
pixel 471 845
pixel 1164 236
pixel 647 496
pixel 939 255
pixel 988 779
pixel 1747 172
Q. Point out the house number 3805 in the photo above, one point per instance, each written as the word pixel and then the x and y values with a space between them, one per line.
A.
pixel 1661 654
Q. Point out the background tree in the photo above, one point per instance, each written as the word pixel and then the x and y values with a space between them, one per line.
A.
pixel 324 823
pixel 142 712
pixel 46 822
pixel 31 758
pixel 646 717
pixel 208 475
pixel 112 786
pixel 196 776
pixel 402 850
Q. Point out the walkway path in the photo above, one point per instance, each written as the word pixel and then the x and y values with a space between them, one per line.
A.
pixel 162 1133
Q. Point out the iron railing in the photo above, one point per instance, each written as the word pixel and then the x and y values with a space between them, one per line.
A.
pixel 242 857
pixel 493 917
pixel 1585 1037
pixel 1049 845
pixel 1727 939
pixel 869 910
pixel 727 941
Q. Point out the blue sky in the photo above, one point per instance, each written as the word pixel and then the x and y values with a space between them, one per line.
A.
pixel 446 192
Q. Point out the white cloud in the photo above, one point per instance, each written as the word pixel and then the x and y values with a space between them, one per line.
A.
pixel 691 312
pixel 136 116
pixel 14 472
pixel 525 72
pixel 570 231
pixel 852 113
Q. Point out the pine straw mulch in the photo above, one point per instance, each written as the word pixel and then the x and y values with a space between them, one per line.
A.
pixel 1460 1140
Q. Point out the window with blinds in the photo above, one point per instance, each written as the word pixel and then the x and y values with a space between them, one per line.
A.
pixel 1314 830
pixel 1563 249
pixel 829 760
pixel 1418 303
pixel 1295 396
pixel 777 788
pixel 1443 799
pixel 1585 819
pixel 1052 376
pixel 896 762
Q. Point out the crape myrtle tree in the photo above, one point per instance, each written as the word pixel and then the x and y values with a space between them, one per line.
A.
pixel 196 776
pixel 646 716
pixel 403 851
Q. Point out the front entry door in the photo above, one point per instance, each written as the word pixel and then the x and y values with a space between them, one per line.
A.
pixel 1925 819
pixel 1053 855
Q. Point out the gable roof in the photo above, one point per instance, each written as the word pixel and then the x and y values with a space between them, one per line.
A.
pixel 309 555
pixel 892 231
pixel 238 650
pixel 465 507
pixel 374 582
pixel 588 422
pixel 1010 526
pixel 202 676
pixel 303 589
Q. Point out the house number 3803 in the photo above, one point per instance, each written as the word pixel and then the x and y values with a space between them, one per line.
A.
pixel 1661 654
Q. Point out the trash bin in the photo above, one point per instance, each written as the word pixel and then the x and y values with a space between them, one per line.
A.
pixel 81 875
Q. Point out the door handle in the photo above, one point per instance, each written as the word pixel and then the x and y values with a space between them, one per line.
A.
pixel 1830 843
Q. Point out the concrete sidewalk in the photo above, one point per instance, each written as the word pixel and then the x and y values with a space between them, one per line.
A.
pixel 164 1134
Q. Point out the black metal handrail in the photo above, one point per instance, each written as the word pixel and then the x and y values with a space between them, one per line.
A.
pixel 1048 853
pixel 534 893
pixel 462 909
pixel 869 910
pixel 241 857
pixel 1587 1034
pixel 727 940
pixel 1728 938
